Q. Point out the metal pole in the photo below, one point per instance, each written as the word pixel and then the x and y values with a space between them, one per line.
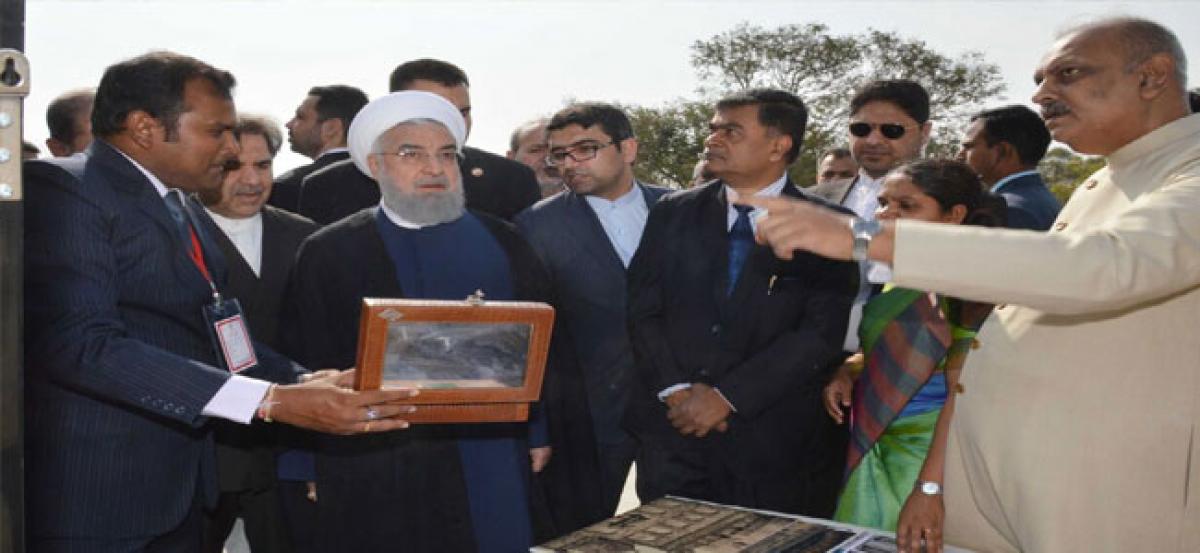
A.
pixel 14 87
pixel 12 24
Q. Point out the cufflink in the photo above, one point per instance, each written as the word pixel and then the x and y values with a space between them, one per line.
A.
pixel 477 171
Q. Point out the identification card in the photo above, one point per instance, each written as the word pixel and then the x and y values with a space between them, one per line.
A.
pixel 231 338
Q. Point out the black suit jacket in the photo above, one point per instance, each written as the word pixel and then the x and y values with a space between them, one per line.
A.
pixel 246 454
pixel 589 282
pixel 494 185
pixel 285 192
pixel 337 267
pixel 769 348
pixel 119 362
pixel 1030 204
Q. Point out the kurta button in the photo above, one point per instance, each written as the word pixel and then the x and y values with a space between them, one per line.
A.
pixel 1060 225
pixel 1000 306
pixel 958 388
pixel 975 343
pixel 1090 184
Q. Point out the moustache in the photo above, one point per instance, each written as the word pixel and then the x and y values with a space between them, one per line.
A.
pixel 433 181
pixel 1054 109
pixel 248 189
pixel 707 155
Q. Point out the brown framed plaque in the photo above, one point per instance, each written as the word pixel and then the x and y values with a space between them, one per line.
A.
pixel 473 360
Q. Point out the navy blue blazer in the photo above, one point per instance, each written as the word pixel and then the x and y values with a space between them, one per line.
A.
pixel 119 363
pixel 1030 204
pixel 589 285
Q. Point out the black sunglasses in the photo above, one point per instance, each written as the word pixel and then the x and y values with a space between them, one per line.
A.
pixel 890 131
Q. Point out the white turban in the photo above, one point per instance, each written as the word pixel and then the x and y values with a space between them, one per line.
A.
pixel 383 113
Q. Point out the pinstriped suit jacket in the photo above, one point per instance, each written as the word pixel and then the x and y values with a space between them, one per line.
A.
pixel 119 364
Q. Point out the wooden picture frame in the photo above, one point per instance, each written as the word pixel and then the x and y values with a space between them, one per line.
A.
pixel 473 360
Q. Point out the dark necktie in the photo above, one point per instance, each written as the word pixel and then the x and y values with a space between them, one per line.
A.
pixel 741 242
pixel 187 234
pixel 175 207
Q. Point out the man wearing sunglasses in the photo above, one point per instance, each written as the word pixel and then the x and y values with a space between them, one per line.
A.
pixel 889 125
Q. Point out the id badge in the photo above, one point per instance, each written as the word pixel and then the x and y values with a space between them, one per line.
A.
pixel 230 337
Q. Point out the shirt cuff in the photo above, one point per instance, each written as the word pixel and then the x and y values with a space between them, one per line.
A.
pixel 238 399
pixel 727 402
pixel 663 395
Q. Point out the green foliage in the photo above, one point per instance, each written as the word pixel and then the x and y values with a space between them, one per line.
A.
pixel 670 140
pixel 823 69
pixel 1064 170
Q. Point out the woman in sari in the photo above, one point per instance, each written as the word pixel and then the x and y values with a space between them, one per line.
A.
pixel 913 346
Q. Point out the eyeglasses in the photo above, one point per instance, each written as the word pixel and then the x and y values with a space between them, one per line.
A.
pixel 578 152
pixel 890 131
pixel 415 157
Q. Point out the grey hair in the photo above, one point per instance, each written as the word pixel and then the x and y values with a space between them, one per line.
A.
pixel 1140 39
pixel 514 141
pixel 263 126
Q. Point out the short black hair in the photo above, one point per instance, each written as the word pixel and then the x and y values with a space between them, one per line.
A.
pixel 426 69
pixel 261 125
pixel 338 101
pixel 777 109
pixel 907 95
pixel 950 183
pixel 154 83
pixel 1019 126
pixel 63 110
pixel 611 119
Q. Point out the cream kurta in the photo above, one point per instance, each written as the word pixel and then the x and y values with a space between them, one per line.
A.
pixel 1076 426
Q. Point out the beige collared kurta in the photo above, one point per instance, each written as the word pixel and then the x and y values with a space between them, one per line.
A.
pixel 1076 428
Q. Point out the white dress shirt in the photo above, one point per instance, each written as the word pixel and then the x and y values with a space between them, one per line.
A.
pixel 246 235
pixel 623 220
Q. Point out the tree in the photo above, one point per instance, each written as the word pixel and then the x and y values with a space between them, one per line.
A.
pixel 1064 170
pixel 670 140
pixel 823 69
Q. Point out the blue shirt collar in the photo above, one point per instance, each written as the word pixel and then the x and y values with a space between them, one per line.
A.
pixel 1010 178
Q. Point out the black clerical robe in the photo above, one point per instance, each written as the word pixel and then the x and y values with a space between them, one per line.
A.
pixel 336 268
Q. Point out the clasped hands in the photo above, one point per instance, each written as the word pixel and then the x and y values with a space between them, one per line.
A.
pixel 324 401
pixel 698 410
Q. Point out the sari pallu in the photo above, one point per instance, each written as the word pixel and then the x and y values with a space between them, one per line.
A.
pixel 907 342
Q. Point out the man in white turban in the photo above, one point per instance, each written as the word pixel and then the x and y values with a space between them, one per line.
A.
pixel 442 487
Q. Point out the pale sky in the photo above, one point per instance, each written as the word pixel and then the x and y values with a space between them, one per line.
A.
pixel 524 58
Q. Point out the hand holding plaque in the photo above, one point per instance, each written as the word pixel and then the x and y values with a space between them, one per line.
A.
pixel 323 403
pixel 473 361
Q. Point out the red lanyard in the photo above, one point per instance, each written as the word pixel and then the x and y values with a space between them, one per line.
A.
pixel 197 256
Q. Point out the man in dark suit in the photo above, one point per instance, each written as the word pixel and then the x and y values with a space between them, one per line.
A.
pixel 527 145
pixel 259 243
pixel 1004 146
pixel 586 237
pixel 123 371
pixel 733 346
pixel 318 132
pixel 449 487
pixel 493 184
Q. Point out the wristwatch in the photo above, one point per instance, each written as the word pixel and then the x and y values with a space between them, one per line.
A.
pixel 863 230
pixel 929 488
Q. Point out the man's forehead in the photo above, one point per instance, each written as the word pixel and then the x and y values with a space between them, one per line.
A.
pixel 1085 43
pixel 429 131
pixel 574 133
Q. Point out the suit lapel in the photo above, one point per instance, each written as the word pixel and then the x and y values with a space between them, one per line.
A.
pixel 714 224
pixel 760 262
pixel 592 234
pixel 127 179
